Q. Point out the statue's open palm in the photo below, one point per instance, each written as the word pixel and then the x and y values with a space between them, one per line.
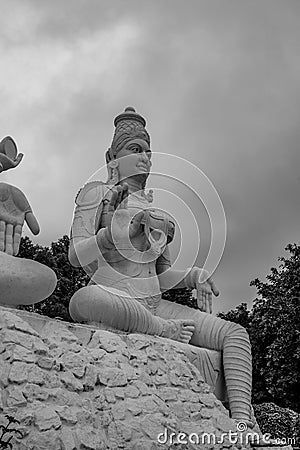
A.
pixel 205 287
pixel 14 210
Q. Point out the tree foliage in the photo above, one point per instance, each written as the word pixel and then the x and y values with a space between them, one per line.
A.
pixel 275 333
pixel 8 431
pixel 182 296
pixel 280 423
pixel 273 326
pixel 241 315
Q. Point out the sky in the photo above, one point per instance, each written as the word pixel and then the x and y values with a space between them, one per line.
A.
pixel 218 83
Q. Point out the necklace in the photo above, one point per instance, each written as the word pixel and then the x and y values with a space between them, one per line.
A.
pixel 141 196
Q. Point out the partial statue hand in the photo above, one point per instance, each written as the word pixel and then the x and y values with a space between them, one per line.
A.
pixel 205 287
pixel 8 154
pixel 121 224
pixel 14 210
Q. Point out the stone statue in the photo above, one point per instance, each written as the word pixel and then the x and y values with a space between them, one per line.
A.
pixel 22 281
pixel 123 243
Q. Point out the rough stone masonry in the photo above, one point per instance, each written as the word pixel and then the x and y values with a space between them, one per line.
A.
pixel 78 387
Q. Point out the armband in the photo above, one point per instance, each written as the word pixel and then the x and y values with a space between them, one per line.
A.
pixel 90 195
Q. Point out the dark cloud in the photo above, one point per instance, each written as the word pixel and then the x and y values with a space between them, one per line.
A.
pixel 218 83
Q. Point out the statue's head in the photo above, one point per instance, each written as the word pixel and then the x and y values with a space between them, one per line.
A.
pixel 130 136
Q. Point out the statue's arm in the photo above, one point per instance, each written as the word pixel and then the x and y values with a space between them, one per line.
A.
pixel 192 278
pixel 175 279
pixel 86 245
pixel 169 278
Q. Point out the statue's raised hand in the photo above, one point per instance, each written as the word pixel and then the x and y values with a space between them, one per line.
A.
pixel 121 224
pixel 9 157
pixel 14 210
pixel 205 287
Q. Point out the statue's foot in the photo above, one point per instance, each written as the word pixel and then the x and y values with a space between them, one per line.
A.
pixel 179 330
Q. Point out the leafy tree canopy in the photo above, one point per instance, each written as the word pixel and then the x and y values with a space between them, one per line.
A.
pixel 275 332
pixel 240 315
pixel 273 326
pixel 183 296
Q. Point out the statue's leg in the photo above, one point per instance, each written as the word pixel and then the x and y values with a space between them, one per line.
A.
pixel 230 338
pixel 24 281
pixel 116 309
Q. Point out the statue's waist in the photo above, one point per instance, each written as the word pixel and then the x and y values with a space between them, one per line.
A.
pixel 150 302
pixel 137 285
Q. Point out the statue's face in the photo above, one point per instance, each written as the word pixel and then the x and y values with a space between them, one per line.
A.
pixel 134 159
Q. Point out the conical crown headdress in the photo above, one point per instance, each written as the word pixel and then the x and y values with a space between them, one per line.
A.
pixel 129 125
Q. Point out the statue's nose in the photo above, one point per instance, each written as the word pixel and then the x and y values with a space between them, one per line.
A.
pixel 145 156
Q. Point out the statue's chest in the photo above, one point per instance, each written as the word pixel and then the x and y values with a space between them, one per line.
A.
pixel 104 218
pixel 154 219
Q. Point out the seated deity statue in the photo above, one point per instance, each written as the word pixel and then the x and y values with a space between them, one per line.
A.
pixel 123 242
pixel 22 281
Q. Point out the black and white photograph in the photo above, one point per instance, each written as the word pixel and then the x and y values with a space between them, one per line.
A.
pixel 149 224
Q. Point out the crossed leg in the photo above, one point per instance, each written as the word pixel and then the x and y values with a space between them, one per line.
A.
pixel 117 309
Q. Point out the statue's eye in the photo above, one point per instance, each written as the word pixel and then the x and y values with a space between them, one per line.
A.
pixel 133 148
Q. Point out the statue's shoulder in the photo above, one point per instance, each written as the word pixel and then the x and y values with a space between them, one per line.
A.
pixel 92 193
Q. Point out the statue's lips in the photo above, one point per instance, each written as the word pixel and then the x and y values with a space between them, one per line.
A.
pixel 143 166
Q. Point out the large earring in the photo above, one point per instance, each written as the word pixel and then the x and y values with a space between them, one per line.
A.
pixel 113 172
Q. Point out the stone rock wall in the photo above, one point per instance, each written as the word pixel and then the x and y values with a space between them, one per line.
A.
pixel 78 387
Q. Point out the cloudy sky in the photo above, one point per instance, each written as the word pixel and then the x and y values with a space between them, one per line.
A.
pixel 217 81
